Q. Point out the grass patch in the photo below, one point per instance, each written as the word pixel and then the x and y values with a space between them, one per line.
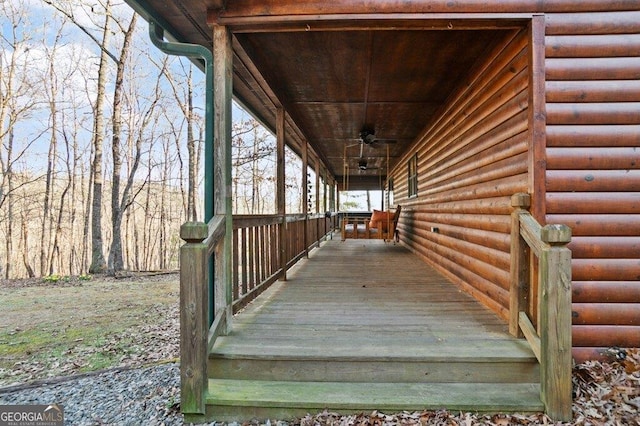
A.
pixel 51 331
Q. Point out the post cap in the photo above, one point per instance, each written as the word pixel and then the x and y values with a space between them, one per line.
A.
pixel 521 199
pixel 194 232
pixel 555 234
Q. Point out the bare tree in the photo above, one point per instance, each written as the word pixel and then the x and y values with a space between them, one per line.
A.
pixel 52 174
pixel 98 263
pixel 185 102
pixel 253 160
pixel 51 91
pixel 118 205
pixel 16 104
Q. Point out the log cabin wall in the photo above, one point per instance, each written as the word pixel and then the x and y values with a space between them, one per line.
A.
pixel 593 169
pixel 474 156
pixel 471 159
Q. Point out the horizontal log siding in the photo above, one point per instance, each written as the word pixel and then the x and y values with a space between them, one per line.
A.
pixel 593 169
pixel 471 159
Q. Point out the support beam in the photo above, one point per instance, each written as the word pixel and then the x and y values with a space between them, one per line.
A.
pixel 318 201
pixel 537 119
pixel 324 191
pixel 305 195
pixel 280 190
pixel 222 95
pixel 317 195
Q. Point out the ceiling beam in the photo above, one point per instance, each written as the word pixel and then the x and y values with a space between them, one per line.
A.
pixel 243 8
pixel 366 22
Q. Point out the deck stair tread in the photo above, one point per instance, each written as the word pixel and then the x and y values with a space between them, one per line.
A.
pixel 375 396
pixel 374 348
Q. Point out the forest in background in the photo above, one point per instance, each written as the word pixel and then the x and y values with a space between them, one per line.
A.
pixel 101 143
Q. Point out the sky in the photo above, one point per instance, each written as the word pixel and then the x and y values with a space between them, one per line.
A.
pixel 76 58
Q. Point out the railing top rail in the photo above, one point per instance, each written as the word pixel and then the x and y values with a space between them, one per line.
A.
pixel 538 237
pixel 216 231
pixel 531 230
pixel 247 221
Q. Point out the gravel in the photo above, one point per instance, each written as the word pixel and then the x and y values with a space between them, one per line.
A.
pixel 143 396
pixel 605 394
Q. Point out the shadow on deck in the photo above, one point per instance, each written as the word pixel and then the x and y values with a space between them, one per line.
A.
pixel 364 325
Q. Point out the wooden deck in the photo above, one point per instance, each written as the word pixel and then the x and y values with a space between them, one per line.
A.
pixel 365 325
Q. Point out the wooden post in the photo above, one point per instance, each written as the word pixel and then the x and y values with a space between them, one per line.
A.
pixel 519 291
pixel 194 324
pixel 305 195
pixel 317 203
pixel 280 191
pixel 555 319
pixel 325 203
pixel 222 95
pixel 537 117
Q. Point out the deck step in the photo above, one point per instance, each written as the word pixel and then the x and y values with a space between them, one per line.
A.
pixel 477 361
pixel 231 400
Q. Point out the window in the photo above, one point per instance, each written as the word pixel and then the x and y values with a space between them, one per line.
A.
pixel 412 176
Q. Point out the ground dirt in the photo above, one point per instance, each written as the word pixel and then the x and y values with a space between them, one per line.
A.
pixel 71 325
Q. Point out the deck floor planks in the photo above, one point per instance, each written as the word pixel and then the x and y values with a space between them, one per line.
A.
pixel 361 297
pixel 364 325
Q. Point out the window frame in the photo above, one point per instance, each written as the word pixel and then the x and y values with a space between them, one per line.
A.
pixel 412 176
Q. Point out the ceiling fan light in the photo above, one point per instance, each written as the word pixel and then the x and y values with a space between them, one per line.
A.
pixel 367 136
pixel 362 164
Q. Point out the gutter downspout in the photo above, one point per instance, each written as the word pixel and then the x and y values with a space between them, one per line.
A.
pixel 156 34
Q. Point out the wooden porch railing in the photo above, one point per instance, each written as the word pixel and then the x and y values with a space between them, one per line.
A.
pixel 256 263
pixel 551 339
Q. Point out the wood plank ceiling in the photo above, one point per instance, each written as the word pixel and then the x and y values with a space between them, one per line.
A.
pixel 335 83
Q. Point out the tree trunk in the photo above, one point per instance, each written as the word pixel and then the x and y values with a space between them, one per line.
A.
pixel 192 213
pixel 73 254
pixel 98 264
pixel 55 248
pixel 87 218
pixel 25 247
pixel 193 151
pixel 9 199
pixel 49 193
pixel 163 208
pixel 46 209
pixel 116 262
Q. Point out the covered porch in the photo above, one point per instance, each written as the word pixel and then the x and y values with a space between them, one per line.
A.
pixel 364 325
pixel 446 111
pixel 355 325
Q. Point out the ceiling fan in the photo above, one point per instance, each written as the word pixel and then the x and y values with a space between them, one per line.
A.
pixel 367 136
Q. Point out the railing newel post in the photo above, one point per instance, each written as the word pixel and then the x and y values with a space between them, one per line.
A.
pixel 551 342
pixel 555 318
pixel 194 317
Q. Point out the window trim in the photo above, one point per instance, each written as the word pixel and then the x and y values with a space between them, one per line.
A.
pixel 412 176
